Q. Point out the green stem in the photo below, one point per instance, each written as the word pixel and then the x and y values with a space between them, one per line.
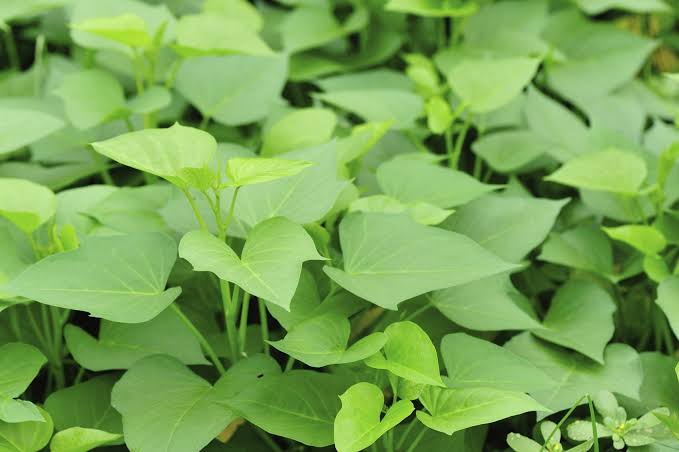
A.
pixel 11 47
pixel 243 325
pixel 264 324
pixel 205 121
pixel 459 141
pixel 405 434
pixel 196 211
pixel 417 439
pixel 289 364
pixel 595 434
pixel 229 319
pixel 563 419
pixel 232 208
pixel 268 440
pixel 169 81
pixel 419 311
pixel 38 65
pixel 201 339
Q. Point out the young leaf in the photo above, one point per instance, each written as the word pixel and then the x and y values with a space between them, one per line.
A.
pixel 299 129
pixel 91 98
pixel 127 29
pixel 409 354
pixel 472 362
pixel 19 365
pixel 439 115
pixel 22 127
pixel 26 204
pixel 358 423
pixel 646 239
pixel 421 212
pixel 426 259
pixel 30 436
pixel 179 154
pixel 249 171
pixel 322 341
pixel 120 345
pixel 78 439
pixel 185 416
pixel 580 317
pixel 610 170
pixel 451 410
pixel 119 278
pixel 269 266
pixel 432 9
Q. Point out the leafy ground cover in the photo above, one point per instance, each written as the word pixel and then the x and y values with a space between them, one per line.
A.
pixel 295 225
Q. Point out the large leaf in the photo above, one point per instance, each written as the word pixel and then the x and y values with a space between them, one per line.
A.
pixel 472 363
pixel 359 422
pixel 269 266
pixel 119 278
pixel 127 29
pixel 78 439
pixel 409 354
pixel 489 304
pixel 508 226
pixel 232 90
pixel 611 170
pixel 452 410
pixel 29 436
pixel 91 97
pixel 301 405
pixel 26 204
pixel 418 259
pixel 120 345
pixel 179 154
pixel 85 405
pixel 487 84
pixel 185 416
pixel 398 106
pixel 580 317
pixel 322 341
pixel 19 365
pixel 21 127
pixel 577 375
pixel 414 180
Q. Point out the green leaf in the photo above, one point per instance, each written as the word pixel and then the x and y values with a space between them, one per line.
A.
pixel 322 341
pixel 520 443
pixel 489 304
pixel 580 317
pixel 667 296
pixel 78 439
pixel 119 278
pixel 120 345
pixel 425 259
pixel 508 226
pixel 179 154
pixel 576 374
pixel 128 29
pixel 421 212
pixel 435 8
pixel 28 436
pixel 610 170
pixel 19 365
pixel 594 7
pixel 487 84
pixel 26 204
pixel 232 90
pixel 472 363
pixel 646 239
pixel 91 98
pixel 410 181
pixel 439 115
pixel 300 405
pixel 409 354
pixel 21 127
pixel 269 266
pixel 256 170
pixel 510 151
pixel 217 34
pixel 584 247
pixel 85 405
pixel 151 100
pixel 299 129
pixel 452 410
pixel 185 421
pixel 359 422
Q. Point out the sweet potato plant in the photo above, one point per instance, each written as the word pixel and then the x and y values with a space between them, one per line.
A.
pixel 298 225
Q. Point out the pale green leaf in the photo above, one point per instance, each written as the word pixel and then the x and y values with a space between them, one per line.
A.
pixel 400 107
pixel 26 204
pixel 256 170
pixel 594 7
pixel 127 29
pixel 299 129
pixel 584 247
pixel 21 127
pixel 19 365
pixel 29 436
pixel 439 115
pixel 436 8
pixel 151 100
pixel 645 239
pixel 119 278
pixel 421 212
pixel 668 290
pixel 78 439
pixel 359 422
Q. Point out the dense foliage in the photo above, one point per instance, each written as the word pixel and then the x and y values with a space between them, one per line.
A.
pixel 385 225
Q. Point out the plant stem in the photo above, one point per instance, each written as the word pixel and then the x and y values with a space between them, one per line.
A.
pixel 417 439
pixel 38 65
pixel 196 211
pixel 229 319
pixel 232 208
pixel 419 311
pixel 268 440
pixel 243 325
pixel 172 75
pixel 563 419
pixel 264 324
pixel 201 339
pixel 11 47
pixel 289 364
pixel 595 434
pixel 205 121
pixel 405 434
pixel 459 141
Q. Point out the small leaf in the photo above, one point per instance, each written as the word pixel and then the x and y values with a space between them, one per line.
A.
pixel 19 365
pixel 439 115
pixel 30 436
pixel 520 443
pixel 358 423
pixel 269 266
pixel 26 204
pixel 299 129
pixel 256 170
pixel 128 29
pixel 409 354
pixel 179 154
pixel 78 439
pixel 646 239
pixel 119 278
pixel 611 170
